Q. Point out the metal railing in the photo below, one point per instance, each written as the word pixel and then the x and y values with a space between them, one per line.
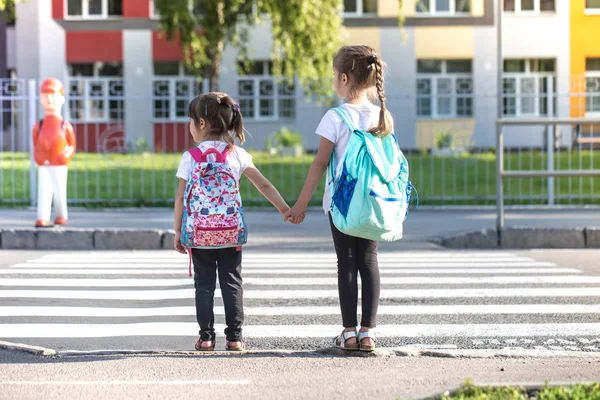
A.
pixel 551 129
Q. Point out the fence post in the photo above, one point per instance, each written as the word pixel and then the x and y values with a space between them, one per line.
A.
pixel 550 161
pixel 32 111
pixel 499 170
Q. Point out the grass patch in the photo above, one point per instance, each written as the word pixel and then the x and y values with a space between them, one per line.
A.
pixel 572 392
pixel 148 179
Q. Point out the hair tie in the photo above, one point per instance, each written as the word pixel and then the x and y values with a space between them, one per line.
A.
pixel 352 65
pixel 235 107
pixel 372 59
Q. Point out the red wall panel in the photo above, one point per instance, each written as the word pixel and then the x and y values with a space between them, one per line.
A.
pixel 88 46
pixel 165 50
pixel 58 9
pixel 172 137
pixel 99 137
pixel 136 8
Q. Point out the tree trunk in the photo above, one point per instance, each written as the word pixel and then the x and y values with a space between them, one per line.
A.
pixel 214 73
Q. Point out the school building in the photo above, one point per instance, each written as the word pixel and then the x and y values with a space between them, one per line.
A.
pixel 125 81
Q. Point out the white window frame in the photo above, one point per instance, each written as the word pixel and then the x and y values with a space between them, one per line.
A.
pixel 591 10
pixel 85 11
pixel 434 12
pixel 453 96
pixel 172 96
pixel 109 86
pixel 360 11
pixel 536 96
pixel 536 9
pixel 256 96
pixel 591 74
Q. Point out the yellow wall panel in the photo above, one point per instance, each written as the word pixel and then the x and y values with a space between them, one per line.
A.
pixel 444 42
pixel 585 43
pixel 387 8
pixel 477 9
pixel 461 130
pixel 409 8
pixel 367 36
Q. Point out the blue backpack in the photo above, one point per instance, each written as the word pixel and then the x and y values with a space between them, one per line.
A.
pixel 371 193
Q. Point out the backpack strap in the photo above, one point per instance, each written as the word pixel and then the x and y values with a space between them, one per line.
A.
pixel 345 117
pixel 343 114
pixel 200 156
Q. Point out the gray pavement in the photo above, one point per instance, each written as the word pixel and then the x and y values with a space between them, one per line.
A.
pixel 293 376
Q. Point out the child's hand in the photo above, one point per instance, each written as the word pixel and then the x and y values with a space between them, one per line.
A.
pixel 295 215
pixel 177 245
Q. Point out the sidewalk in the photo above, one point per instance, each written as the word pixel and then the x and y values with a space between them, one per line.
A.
pixel 421 228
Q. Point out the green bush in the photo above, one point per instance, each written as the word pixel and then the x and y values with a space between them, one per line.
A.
pixel 444 140
pixel 284 137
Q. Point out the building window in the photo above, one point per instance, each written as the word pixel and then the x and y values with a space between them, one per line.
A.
pixel 529 87
pixel 261 95
pixel 173 87
pixel 529 6
pixel 443 7
pixel 94 8
pixel 592 6
pixel 444 88
pixel 360 7
pixel 592 86
pixel 96 92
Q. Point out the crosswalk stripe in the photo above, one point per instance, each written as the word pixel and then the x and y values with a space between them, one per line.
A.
pixel 302 281
pixel 290 256
pixel 288 264
pixel 459 309
pixel 273 271
pixel 297 331
pixel 303 294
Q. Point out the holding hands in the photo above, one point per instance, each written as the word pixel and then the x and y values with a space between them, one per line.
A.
pixel 295 214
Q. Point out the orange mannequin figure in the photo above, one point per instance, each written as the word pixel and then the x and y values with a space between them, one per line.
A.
pixel 53 148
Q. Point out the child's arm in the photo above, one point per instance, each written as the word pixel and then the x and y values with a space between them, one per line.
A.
pixel 317 169
pixel 266 188
pixel 179 216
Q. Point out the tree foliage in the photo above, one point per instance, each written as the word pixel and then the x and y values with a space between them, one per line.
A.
pixel 306 33
pixel 8 7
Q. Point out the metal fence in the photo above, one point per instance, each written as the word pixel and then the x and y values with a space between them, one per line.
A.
pixel 125 158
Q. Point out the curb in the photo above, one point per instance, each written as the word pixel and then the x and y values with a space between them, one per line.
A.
pixel 73 239
pixel 85 239
pixel 25 348
pixel 324 352
pixel 526 238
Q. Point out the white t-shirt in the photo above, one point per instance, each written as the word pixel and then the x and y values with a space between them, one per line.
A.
pixel 335 130
pixel 239 159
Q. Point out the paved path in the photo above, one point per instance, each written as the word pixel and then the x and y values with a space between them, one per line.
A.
pixel 430 299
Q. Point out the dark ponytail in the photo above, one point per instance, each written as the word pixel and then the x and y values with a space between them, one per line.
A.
pixel 222 114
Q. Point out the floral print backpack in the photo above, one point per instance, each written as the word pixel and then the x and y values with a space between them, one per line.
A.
pixel 213 216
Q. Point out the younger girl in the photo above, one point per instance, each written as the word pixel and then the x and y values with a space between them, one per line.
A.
pixel 215 122
pixel 357 71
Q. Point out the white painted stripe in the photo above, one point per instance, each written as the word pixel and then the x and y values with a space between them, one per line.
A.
pixel 288 264
pixel 301 281
pixel 284 260
pixel 295 331
pixel 170 254
pixel 273 271
pixel 302 294
pixel 123 383
pixel 459 309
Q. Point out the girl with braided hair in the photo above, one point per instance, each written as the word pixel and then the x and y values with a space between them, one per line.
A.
pixel 359 76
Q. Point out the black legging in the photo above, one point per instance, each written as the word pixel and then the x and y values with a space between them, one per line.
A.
pixel 357 255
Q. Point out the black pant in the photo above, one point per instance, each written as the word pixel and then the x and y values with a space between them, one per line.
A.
pixel 229 263
pixel 357 255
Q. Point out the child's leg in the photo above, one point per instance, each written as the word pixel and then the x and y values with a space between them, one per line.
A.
pixel 346 250
pixel 371 283
pixel 205 281
pixel 229 262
